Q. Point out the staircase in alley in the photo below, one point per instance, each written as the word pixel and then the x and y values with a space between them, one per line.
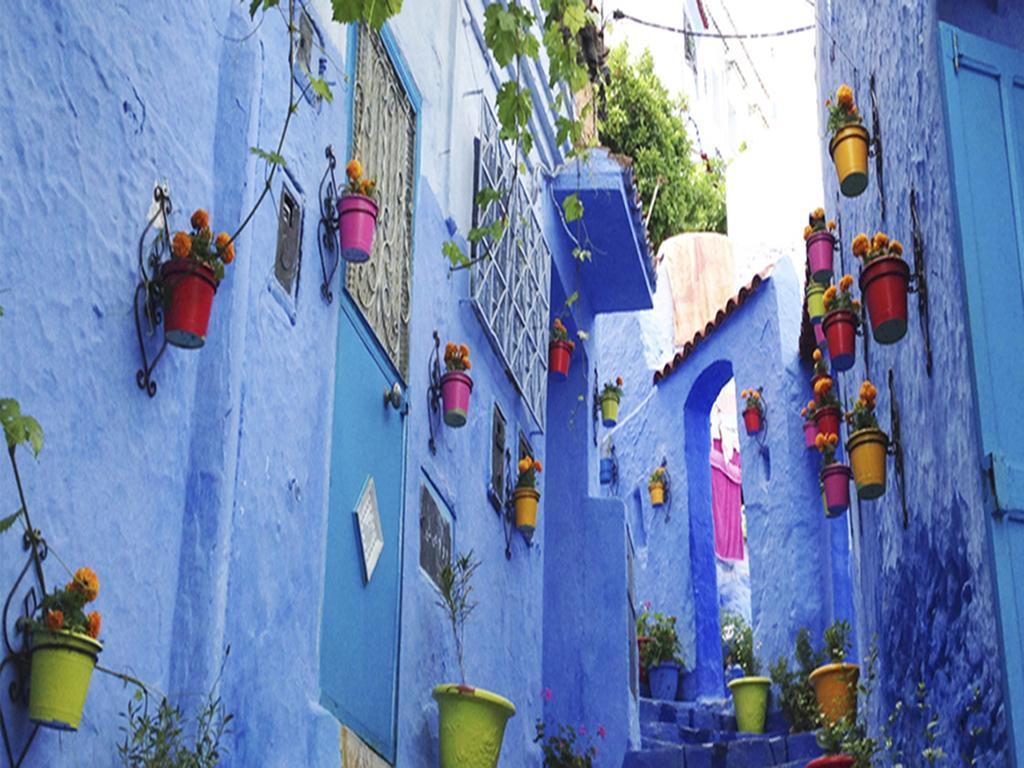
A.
pixel 684 734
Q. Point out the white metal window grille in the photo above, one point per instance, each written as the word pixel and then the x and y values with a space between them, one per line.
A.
pixel 384 141
pixel 510 279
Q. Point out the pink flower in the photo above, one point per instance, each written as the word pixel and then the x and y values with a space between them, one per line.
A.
pixel 546 693
pixel 647 605
pixel 601 731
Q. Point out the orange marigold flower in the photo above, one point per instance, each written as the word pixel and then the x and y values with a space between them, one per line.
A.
pixel 354 169
pixel 830 294
pixel 831 225
pixel 181 245
pixel 200 219
pixel 225 247
pixel 87 582
pixel 845 282
pixel 896 247
pixel 464 350
pixel 524 464
pixel 618 381
pixel 819 441
pixel 95 621
pixel 816 355
pixel 856 305
pixel 466 364
pixel 844 96
pixel 811 405
pixel 818 214
pixel 366 186
pixel 536 466
pixel 880 240
pixel 860 245
pixel 833 439
pixel 807 231
pixel 803 412
pixel 54 620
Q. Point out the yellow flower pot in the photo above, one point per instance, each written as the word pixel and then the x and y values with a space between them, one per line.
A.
pixel 472 725
pixel 62 664
pixel 609 410
pixel 657 494
pixel 867 449
pixel 525 502
pixel 849 150
pixel 815 301
pixel 835 687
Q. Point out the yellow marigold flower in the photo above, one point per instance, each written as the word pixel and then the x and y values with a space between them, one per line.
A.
pixel 816 355
pixel 860 245
pixel 95 622
pixel 524 464
pixel 844 96
pixel 819 441
pixel 354 169
pixel 464 350
pixel 831 225
pixel 880 240
pixel 181 245
pixel 845 282
pixel 818 213
pixel 811 405
pixel 808 231
pixel 833 439
pixel 200 219
pixel 54 620
pixel 896 247
pixel 87 582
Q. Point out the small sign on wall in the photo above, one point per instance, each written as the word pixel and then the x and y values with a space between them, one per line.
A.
pixel 435 535
pixel 371 535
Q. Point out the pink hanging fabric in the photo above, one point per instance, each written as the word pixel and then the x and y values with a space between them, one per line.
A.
pixel 725 503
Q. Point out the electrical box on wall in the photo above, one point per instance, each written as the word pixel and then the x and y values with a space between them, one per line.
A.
pixel 289 242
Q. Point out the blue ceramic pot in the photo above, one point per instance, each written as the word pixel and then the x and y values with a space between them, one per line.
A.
pixel 664 680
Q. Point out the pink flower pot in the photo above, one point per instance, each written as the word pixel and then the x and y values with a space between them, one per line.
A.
pixel 810 433
pixel 836 479
pixel 820 339
pixel 357 221
pixel 827 420
pixel 820 247
pixel 455 389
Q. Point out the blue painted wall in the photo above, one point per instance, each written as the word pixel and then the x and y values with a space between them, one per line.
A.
pixel 204 510
pixel 925 592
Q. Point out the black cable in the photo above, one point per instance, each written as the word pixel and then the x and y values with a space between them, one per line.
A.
pixel 618 14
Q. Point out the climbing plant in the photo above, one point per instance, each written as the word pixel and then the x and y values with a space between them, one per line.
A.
pixel 646 123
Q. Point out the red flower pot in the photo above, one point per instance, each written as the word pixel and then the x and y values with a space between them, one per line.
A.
pixel 840 328
pixel 832 761
pixel 189 288
pixel 827 419
pixel 752 420
pixel 559 357
pixel 884 283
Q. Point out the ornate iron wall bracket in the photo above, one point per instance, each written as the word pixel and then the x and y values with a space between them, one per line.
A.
pixel 613 486
pixel 896 448
pixel 149 294
pixel 595 409
pixel 434 394
pixel 864 324
pixel 919 282
pixel 876 145
pixel 327 230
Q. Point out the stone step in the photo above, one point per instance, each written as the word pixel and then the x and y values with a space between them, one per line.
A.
pixel 711 715
pixel 735 751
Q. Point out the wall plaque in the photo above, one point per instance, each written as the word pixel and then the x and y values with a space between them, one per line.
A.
pixel 371 536
pixel 435 535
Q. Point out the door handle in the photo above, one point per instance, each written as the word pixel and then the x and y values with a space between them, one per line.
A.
pixel 394 397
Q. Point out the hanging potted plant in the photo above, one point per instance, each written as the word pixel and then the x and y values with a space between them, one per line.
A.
pixel 65 647
pixel 835 477
pixel 835 683
pixel 820 243
pixel 883 284
pixel 526 496
pixel 456 385
pixel 660 654
pixel 656 486
pixel 610 397
pixel 753 412
pixel 472 720
pixel 826 414
pixel 357 215
pixel 820 368
pixel 560 350
pixel 190 280
pixel 867 445
pixel 815 293
pixel 810 428
pixel 749 692
pixel 840 323
pixel 849 145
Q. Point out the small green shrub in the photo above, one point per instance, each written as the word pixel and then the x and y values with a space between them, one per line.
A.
pixel 738 644
pixel 796 697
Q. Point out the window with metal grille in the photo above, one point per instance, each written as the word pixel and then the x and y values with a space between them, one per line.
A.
pixel 496 492
pixel 510 281
pixel 384 141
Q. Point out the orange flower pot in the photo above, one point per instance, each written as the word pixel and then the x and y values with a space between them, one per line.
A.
pixel 835 687
pixel 849 150
pixel 867 449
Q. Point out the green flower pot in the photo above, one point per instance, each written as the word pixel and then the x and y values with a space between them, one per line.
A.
pixel 609 410
pixel 62 664
pixel 750 696
pixel 472 725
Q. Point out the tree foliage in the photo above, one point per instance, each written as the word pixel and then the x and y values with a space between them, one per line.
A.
pixel 646 123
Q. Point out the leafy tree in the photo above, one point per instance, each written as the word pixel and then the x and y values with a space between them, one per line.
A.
pixel 647 124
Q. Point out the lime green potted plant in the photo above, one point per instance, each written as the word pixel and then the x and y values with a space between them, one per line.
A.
pixel 660 654
pixel 65 647
pixel 835 683
pixel 472 720
pixel 749 692
pixel 610 397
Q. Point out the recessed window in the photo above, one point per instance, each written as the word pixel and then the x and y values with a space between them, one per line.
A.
pixel 289 242
pixel 496 492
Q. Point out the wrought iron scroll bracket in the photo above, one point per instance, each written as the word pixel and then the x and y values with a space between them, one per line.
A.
pixel 595 409
pixel 614 485
pixel 148 302
pixel 327 230
pixel 895 448
pixel 876 145
pixel 919 281
pixel 434 394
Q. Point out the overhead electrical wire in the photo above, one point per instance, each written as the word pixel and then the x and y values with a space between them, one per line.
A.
pixel 618 15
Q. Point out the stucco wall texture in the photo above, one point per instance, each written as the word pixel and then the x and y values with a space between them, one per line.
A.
pixel 204 510
pixel 925 593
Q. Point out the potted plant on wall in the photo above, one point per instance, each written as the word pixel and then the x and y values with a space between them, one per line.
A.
pixel 835 477
pixel 560 349
pixel 526 496
pixel 456 385
pixel 656 486
pixel 660 654
pixel 357 215
pixel 849 145
pixel 65 647
pixel 815 293
pixel 820 243
pixel 810 428
pixel 884 280
pixel 827 414
pixel 835 683
pixel 753 410
pixel 610 397
pixel 749 692
pixel 867 445
pixel 190 280
pixel 840 323
pixel 472 720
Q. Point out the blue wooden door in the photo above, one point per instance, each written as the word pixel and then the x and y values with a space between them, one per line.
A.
pixel 984 89
pixel 359 626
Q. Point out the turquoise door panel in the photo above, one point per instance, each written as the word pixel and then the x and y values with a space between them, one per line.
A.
pixel 359 626
pixel 984 93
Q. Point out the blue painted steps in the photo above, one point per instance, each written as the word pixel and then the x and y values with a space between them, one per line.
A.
pixel 680 734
